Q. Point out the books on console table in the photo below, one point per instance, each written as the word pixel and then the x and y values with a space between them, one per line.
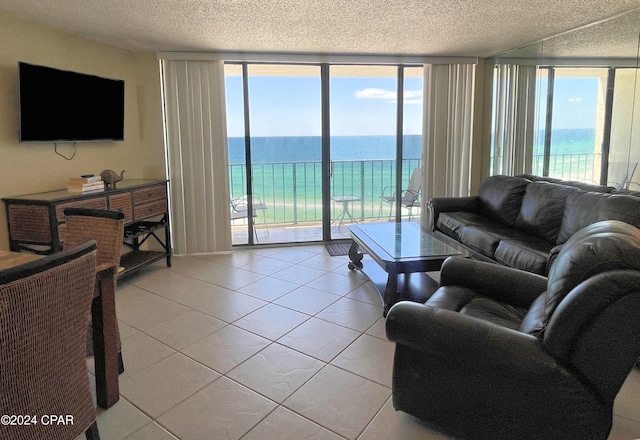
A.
pixel 85 184
pixel 85 179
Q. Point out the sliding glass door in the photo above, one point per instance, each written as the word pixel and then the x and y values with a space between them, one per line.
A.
pixel 370 132
pixel 275 158
pixel 583 125
pixel 314 148
pixel 576 123
pixel 624 153
pixel 412 105
pixel 363 142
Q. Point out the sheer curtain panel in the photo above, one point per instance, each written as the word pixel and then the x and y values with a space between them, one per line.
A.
pixel 447 127
pixel 197 158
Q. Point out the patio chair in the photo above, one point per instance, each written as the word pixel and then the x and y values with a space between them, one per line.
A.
pixel 44 311
pixel 620 174
pixel 409 198
pixel 107 229
pixel 240 209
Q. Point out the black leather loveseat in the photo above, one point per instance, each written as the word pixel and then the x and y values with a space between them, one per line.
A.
pixel 523 221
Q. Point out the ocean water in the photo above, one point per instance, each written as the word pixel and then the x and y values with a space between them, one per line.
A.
pixel 568 141
pixel 287 170
pixel 309 148
pixel 279 149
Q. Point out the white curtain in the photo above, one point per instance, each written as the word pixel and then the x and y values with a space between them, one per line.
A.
pixel 514 119
pixel 447 128
pixel 197 157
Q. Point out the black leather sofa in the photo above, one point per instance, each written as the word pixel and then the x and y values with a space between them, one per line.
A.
pixel 499 353
pixel 523 221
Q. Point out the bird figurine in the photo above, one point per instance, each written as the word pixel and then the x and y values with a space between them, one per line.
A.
pixel 110 178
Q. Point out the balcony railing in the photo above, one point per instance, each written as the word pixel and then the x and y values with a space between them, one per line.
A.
pixel 292 191
pixel 582 167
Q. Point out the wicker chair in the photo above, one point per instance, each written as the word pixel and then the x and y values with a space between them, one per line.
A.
pixel 107 229
pixel 44 311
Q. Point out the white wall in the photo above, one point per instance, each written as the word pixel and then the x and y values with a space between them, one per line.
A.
pixel 29 168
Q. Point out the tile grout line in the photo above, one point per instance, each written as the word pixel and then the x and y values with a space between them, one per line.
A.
pixel 271 342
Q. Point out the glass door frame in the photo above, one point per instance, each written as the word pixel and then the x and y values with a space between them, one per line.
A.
pixel 399 142
pixel 325 142
pixel 608 112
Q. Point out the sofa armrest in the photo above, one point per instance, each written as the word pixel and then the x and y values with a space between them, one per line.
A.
pixel 452 204
pixel 505 284
pixel 466 339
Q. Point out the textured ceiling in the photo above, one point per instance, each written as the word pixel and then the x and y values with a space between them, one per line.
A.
pixel 615 38
pixel 410 27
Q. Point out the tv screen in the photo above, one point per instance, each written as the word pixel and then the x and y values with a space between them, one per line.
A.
pixel 62 106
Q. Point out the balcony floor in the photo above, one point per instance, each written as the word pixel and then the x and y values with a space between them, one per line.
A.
pixel 278 233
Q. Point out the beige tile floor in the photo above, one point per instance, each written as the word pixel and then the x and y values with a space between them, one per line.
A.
pixel 269 343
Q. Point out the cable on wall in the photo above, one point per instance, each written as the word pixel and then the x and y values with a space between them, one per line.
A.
pixel 75 150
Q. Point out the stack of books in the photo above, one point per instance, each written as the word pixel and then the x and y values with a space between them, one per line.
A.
pixel 85 184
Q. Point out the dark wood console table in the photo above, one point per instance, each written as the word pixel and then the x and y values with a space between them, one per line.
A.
pixel 36 221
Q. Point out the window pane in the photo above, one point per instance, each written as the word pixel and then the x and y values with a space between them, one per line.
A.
pixel 363 102
pixel 542 89
pixel 235 143
pixel 285 116
pixel 624 153
pixel 412 138
pixel 285 147
pixel 577 125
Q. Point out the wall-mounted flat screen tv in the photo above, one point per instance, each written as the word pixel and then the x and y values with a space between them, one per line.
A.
pixel 63 106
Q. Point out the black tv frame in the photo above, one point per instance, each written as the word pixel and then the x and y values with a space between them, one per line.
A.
pixel 64 106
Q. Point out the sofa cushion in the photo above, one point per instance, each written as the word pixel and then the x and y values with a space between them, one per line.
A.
pixel 452 223
pixel 625 208
pixel 578 212
pixel 535 178
pixel 585 208
pixel 588 186
pixel 484 238
pixel 542 209
pixel 627 192
pixel 524 252
pixel 468 302
pixel 501 196
pixel 500 313
pixel 574 183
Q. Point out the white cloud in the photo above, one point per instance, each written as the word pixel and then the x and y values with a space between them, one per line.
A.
pixel 575 99
pixel 410 96
pixel 413 94
pixel 373 93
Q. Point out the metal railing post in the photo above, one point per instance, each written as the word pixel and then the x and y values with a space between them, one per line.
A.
pixel 295 194
pixel 361 190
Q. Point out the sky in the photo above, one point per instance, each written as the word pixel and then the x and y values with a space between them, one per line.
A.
pixel 290 106
pixel 575 102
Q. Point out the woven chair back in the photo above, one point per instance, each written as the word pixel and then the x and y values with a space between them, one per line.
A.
pixel 105 227
pixel 44 310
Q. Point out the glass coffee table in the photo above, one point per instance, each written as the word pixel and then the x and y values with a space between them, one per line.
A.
pixel 404 252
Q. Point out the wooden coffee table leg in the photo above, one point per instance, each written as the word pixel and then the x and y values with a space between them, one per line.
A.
pixel 355 256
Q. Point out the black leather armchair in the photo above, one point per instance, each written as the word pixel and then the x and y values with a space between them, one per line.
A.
pixel 498 353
